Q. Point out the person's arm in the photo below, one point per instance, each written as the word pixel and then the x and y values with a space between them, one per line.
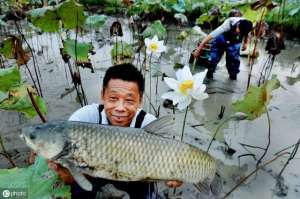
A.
pixel 245 43
pixel 225 26
pixel 62 172
pixel 197 52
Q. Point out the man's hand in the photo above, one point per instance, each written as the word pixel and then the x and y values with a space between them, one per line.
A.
pixel 174 183
pixel 244 47
pixel 245 43
pixel 31 158
pixel 197 52
pixel 62 172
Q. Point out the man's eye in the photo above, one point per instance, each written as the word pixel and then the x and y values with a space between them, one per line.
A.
pixel 113 98
pixel 130 100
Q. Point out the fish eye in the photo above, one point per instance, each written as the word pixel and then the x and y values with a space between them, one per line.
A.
pixel 31 136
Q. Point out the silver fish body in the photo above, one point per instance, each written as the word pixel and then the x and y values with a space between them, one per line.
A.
pixel 119 153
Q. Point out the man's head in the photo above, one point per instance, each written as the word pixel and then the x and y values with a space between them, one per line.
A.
pixel 244 26
pixel 122 93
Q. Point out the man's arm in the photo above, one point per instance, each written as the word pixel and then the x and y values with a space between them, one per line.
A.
pixel 245 43
pixel 197 52
pixel 224 27
pixel 62 172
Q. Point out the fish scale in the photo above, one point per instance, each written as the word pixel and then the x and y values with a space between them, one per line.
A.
pixel 124 154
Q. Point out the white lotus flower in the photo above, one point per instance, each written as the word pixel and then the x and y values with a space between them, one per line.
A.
pixel 186 87
pixel 154 46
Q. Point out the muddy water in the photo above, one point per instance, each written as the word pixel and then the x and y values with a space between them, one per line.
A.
pixel 202 119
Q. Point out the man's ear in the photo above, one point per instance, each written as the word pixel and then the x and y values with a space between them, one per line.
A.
pixel 141 99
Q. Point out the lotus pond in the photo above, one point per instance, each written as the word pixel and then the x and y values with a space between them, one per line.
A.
pixel 60 59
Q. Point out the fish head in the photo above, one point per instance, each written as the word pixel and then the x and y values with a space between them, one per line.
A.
pixel 47 140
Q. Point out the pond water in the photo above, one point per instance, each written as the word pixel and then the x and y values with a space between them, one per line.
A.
pixel 202 119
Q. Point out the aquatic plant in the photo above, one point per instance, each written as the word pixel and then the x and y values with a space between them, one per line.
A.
pixel 154 47
pixel 14 94
pixel 122 52
pixel 80 53
pixel 37 181
pixel 185 88
pixel 157 29
pixel 288 16
pixel 252 106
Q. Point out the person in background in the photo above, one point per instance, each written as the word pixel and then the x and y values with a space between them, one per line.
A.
pixel 121 96
pixel 226 38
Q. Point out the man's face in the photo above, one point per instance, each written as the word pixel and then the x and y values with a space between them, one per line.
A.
pixel 121 99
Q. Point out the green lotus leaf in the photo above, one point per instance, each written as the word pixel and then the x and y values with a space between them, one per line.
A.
pixel 252 15
pixel 69 11
pixel 179 7
pixel 122 52
pixel 18 100
pixel 204 18
pixel 3 96
pixel 155 29
pixel 294 11
pixel 256 100
pixel 45 19
pixel 82 50
pixel 7 47
pixel 9 77
pixel 37 180
pixel 12 48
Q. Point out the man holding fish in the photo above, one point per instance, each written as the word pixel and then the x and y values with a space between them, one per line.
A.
pixel 121 95
pixel 118 143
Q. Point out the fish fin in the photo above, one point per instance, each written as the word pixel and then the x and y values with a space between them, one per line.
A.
pixel 210 188
pixel 216 186
pixel 82 181
pixel 79 177
pixel 203 188
pixel 163 126
pixel 230 174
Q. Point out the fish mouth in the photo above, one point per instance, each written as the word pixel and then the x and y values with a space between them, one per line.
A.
pixel 28 141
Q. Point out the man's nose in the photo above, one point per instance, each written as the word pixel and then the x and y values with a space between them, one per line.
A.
pixel 120 106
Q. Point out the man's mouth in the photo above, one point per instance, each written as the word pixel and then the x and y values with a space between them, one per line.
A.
pixel 119 118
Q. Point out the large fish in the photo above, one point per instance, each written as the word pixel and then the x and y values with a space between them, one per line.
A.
pixel 120 153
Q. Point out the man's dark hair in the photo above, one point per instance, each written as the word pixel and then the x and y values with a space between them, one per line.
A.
pixel 245 27
pixel 126 72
